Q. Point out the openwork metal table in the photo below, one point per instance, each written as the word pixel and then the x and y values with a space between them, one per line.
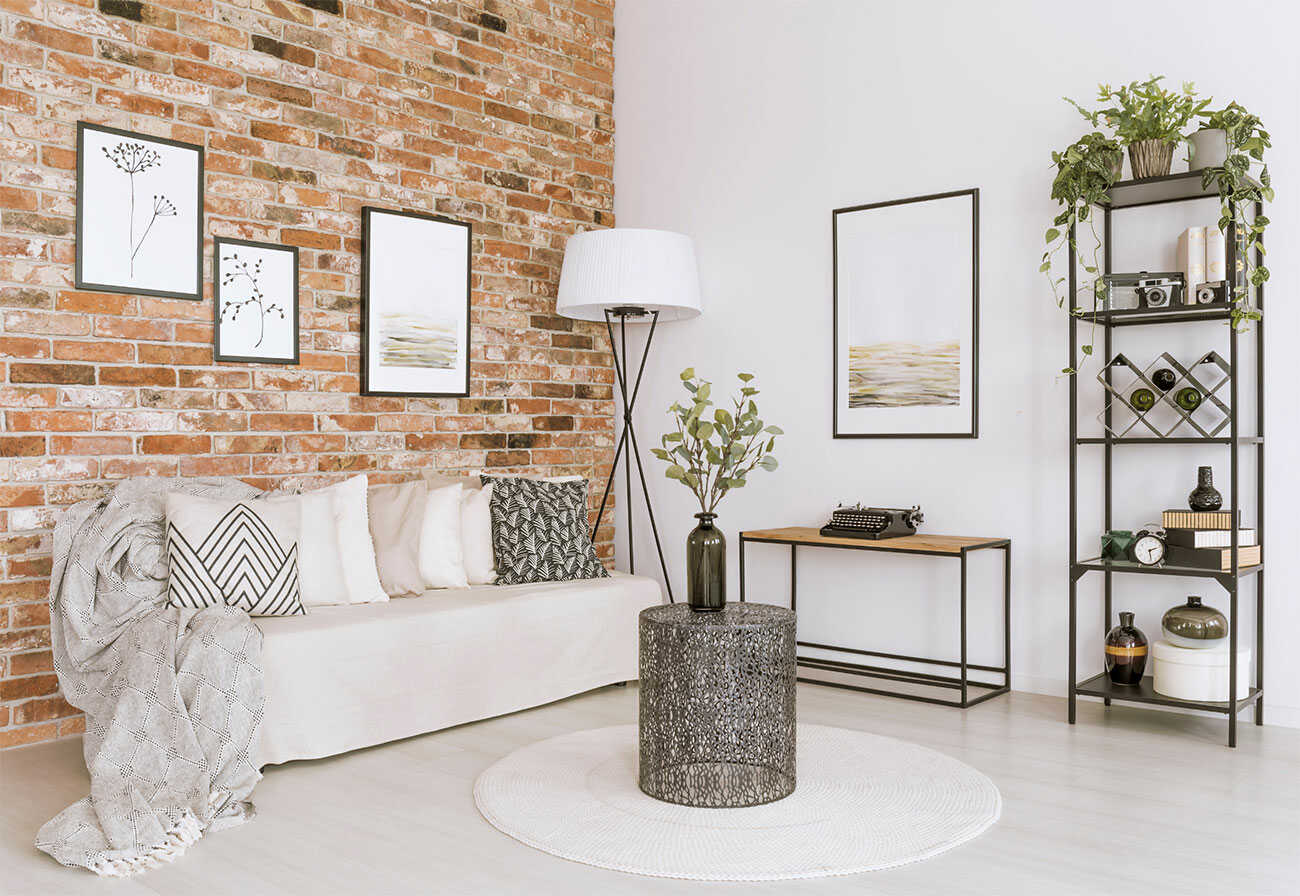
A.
pixel 717 705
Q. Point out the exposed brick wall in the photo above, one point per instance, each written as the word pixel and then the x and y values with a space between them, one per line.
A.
pixel 495 112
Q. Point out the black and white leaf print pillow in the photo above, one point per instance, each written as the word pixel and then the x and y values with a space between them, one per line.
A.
pixel 539 531
pixel 239 553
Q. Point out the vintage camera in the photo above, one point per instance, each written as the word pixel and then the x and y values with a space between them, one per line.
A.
pixel 1212 293
pixel 1159 291
pixel 1126 292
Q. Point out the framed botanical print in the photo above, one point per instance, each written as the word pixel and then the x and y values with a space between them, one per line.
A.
pixel 255 301
pixel 415 297
pixel 906 306
pixel 139 214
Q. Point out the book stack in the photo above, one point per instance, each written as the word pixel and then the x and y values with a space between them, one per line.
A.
pixel 1203 540
pixel 1202 257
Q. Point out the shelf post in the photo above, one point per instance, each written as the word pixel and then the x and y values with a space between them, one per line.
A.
pixel 1107 350
pixel 1234 449
pixel 1259 480
pixel 1074 473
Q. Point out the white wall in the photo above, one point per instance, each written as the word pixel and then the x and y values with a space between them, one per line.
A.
pixel 744 122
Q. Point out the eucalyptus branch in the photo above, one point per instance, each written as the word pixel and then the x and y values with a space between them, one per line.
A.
pixel 712 456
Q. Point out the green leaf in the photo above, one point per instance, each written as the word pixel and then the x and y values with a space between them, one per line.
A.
pixel 775 430
pixel 673 437
pixel 705 431
pixel 688 373
pixel 659 453
pixel 1052 235
pixel 675 472
pixel 768 463
pixel 744 377
pixel 723 418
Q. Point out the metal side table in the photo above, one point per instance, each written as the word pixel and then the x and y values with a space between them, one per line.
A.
pixel 952 547
pixel 717 705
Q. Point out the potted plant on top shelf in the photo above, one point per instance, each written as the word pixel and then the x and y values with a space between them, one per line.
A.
pixel 1244 143
pixel 1148 119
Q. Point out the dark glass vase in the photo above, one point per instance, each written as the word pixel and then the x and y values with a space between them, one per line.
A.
pixel 1205 496
pixel 1126 652
pixel 706 566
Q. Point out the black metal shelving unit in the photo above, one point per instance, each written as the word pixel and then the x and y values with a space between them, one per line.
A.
pixel 1181 187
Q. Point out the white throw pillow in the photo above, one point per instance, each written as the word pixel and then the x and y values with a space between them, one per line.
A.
pixel 476 535
pixel 442 555
pixel 396 518
pixel 241 553
pixel 337 556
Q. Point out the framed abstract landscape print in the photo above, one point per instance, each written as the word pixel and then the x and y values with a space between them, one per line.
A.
pixel 255 301
pixel 139 214
pixel 906 294
pixel 415 282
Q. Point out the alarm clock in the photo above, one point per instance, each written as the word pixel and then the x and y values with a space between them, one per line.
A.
pixel 1148 546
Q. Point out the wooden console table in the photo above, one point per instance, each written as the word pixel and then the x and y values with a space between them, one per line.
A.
pixel 951 546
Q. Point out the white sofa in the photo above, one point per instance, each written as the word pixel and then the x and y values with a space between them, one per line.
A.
pixel 354 676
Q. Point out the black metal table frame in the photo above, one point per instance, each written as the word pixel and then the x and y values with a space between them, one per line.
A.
pixel 961 682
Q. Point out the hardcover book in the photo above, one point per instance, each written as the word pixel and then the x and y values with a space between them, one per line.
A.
pixel 1213 558
pixel 1209 538
pixel 1198 519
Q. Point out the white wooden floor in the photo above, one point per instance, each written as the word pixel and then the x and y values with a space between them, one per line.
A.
pixel 1131 801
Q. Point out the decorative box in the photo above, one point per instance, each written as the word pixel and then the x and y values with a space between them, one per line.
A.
pixel 1187 673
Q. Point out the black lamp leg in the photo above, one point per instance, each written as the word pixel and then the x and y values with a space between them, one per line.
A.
pixel 627 444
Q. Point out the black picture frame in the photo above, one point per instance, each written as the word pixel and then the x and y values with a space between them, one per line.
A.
pixel 217 354
pixel 79 281
pixel 367 249
pixel 973 431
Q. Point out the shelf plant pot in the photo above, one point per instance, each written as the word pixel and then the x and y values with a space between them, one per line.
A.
pixel 1150 158
pixel 1209 149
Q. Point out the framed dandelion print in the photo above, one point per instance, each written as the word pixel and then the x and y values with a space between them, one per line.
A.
pixel 906 306
pixel 139 214
pixel 255 301
pixel 415 282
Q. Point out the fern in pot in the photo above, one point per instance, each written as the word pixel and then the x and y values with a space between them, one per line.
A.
pixel 711 451
pixel 1148 119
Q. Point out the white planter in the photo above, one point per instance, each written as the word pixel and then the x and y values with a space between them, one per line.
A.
pixel 1199 674
pixel 1209 149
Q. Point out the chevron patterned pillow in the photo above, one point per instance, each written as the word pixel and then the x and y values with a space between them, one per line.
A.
pixel 240 553
pixel 539 531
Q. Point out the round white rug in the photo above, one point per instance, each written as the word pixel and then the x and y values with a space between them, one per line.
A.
pixel 863 803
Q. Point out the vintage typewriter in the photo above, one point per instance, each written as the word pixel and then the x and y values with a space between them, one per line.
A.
pixel 872 522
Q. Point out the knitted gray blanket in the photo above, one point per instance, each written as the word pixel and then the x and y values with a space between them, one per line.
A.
pixel 173 698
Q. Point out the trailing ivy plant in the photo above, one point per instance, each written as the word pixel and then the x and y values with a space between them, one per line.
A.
pixel 1143 110
pixel 1085 171
pixel 713 451
pixel 1238 191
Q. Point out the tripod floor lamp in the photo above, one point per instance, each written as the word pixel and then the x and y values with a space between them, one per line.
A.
pixel 633 277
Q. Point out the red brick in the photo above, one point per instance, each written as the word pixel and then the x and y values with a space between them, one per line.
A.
pixel 137 376
pixel 171 444
pixel 30 686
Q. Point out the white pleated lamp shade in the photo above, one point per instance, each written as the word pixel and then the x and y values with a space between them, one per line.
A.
pixel 624 266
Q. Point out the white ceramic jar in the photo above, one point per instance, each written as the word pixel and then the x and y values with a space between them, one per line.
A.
pixel 1199 674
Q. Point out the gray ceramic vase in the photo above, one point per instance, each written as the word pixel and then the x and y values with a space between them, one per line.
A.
pixel 1194 625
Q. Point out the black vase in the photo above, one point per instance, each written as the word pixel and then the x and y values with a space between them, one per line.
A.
pixel 1205 496
pixel 706 566
pixel 1126 652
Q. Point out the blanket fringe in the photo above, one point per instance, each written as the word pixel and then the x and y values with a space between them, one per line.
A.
pixel 179 837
